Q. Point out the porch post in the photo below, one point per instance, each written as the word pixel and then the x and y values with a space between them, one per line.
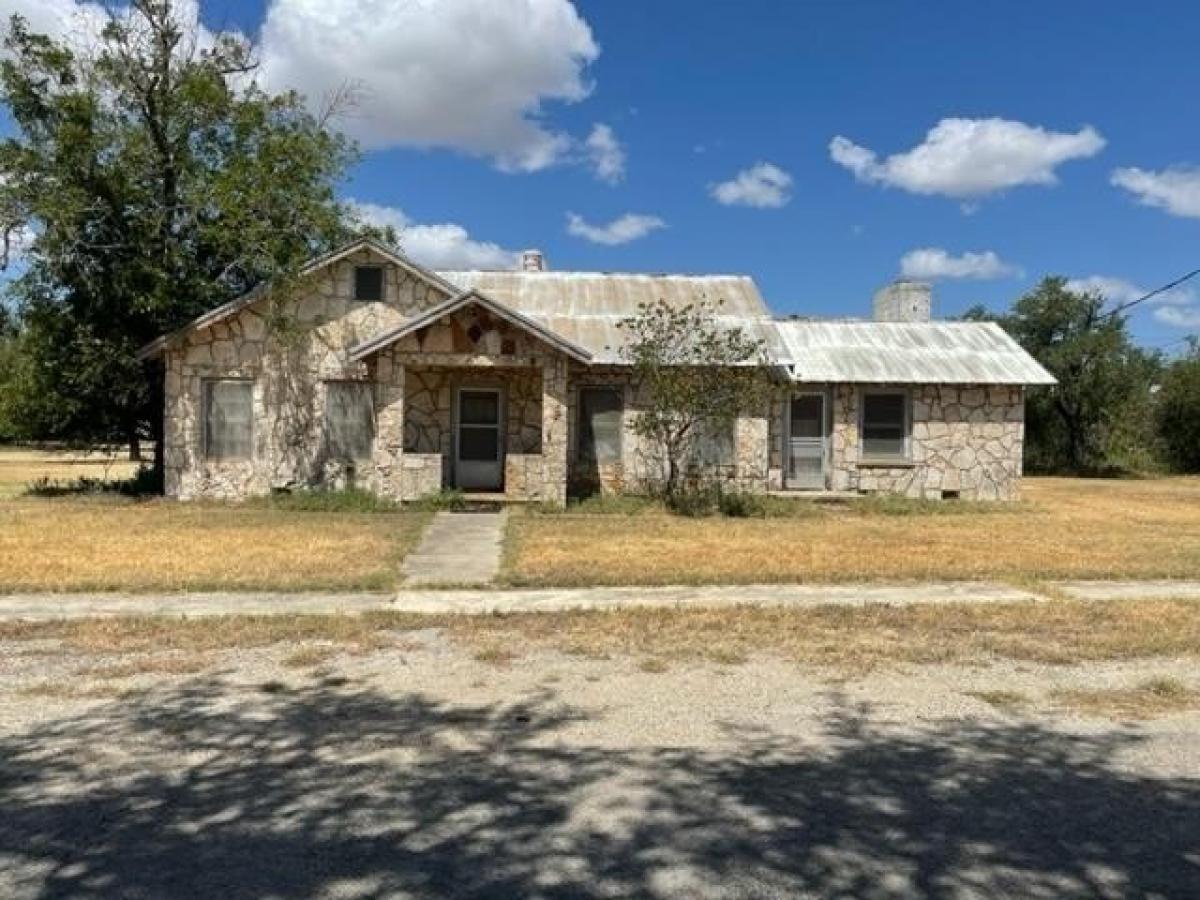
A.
pixel 554 431
pixel 387 456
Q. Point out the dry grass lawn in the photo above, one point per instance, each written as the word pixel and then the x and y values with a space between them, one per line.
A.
pixel 20 467
pixel 851 640
pixel 1064 528
pixel 81 544
pixel 1148 700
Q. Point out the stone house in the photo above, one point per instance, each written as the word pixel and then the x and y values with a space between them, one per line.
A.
pixel 377 372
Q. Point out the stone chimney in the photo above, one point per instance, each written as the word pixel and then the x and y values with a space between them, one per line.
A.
pixel 533 261
pixel 904 301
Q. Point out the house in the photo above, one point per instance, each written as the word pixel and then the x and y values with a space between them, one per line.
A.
pixel 405 381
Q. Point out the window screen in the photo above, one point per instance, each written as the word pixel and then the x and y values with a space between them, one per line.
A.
pixel 601 412
pixel 885 424
pixel 368 283
pixel 228 419
pixel 714 444
pixel 349 419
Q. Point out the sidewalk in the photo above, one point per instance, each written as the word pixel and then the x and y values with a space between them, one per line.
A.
pixel 42 607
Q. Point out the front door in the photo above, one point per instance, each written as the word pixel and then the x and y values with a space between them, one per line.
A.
pixel 479 456
pixel 806 447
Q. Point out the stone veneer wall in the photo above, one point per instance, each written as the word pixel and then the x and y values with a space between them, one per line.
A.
pixel 287 356
pixel 641 465
pixel 964 439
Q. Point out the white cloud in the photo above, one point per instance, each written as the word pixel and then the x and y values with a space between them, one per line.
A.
pixel 78 24
pixel 1120 290
pixel 762 185
pixel 970 158
pixel 933 263
pixel 605 153
pixel 1179 316
pixel 629 227
pixel 443 245
pixel 471 75
pixel 1177 190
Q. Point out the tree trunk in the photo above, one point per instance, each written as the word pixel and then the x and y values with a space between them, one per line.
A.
pixel 135 446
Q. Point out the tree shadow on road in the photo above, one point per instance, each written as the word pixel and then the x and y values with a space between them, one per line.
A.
pixel 202 790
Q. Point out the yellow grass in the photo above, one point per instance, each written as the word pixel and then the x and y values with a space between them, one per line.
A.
pixel 1064 528
pixel 19 467
pixel 1150 699
pixel 76 544
pixel 850 639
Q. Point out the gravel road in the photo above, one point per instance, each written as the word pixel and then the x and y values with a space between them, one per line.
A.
pixel 420 771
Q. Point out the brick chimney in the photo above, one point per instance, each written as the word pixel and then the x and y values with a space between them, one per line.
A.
pixel 533 261
pixel 904 301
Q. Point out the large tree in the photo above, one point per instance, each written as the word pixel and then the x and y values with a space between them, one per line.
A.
pixel 1178 411
pixel 149 179
pixel 1098 415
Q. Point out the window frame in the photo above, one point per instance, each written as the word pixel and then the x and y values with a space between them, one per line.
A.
pixel 905 456
pixel 206 386
pixel 358 267
pixel 619 391
pixel 369 387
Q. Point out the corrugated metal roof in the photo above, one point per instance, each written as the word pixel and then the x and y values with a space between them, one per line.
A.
pixel 586 308
pixel 907 353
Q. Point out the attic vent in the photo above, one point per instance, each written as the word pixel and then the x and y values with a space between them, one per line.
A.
pixel 475 333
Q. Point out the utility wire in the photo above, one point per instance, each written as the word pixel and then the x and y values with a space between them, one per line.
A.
pixel 1154 293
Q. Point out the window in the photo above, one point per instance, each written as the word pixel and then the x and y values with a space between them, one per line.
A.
pixel 885 420
pixel 368 283
pixel 349 419
pixel 601 414
pixel 228 419
pixel 714 444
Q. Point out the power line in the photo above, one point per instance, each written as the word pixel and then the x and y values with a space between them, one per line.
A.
pixel 1154 293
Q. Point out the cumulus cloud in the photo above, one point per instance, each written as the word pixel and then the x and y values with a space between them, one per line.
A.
pixel 1179 316
pixel 443 245
pixel 934 263
pixel 470 75
pixel 1178 307
pixel 970 158
pixel 605 154
pixel 622 230
pixel 1176 190
pixel 762 185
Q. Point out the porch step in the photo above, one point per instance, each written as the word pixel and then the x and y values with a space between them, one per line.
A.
pixel 458 548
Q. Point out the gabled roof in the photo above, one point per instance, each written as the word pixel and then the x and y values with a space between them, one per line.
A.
pixel 587 308
pixel 461 301
pixel 907 353
pixel 236 305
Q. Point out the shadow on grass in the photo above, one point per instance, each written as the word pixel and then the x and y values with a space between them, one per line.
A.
pixel 338 790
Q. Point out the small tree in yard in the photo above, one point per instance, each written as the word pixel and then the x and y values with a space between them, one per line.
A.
pixel 693 377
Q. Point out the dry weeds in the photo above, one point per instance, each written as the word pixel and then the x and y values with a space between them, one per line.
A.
pixel 175 664
pixel 1005 701
pixel 1150 699
pixel 309 657
pixel 21 466
pixel 1064 528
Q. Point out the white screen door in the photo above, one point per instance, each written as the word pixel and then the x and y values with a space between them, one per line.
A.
pixel 806 442
pixel 479 464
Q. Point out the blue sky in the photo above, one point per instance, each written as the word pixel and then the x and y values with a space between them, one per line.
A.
pixel 476 115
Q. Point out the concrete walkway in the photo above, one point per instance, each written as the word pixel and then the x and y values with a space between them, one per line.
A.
pixel 35 607
pixel 459 548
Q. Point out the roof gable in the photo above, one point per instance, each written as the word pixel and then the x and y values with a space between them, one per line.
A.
pixel 461 301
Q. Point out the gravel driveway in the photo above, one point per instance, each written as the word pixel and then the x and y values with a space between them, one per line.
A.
pixel 421 771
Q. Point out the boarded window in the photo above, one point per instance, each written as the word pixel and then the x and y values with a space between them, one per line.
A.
pixel 349 419
pixel 368 283
pixel 228 419
pixel 601 413
pixel 885 420
pixel 713 445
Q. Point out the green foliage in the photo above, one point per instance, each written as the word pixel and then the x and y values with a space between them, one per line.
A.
pixel 1178 411
pixel 348 500
pixel 156 181
pixel 145 482
pixel 693 500
pixel 741 505
pixel 447 499
pixel 696 378
pixel 1097 416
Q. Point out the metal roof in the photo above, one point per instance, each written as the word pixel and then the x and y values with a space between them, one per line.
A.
pixel 907 353
pixel 586 308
